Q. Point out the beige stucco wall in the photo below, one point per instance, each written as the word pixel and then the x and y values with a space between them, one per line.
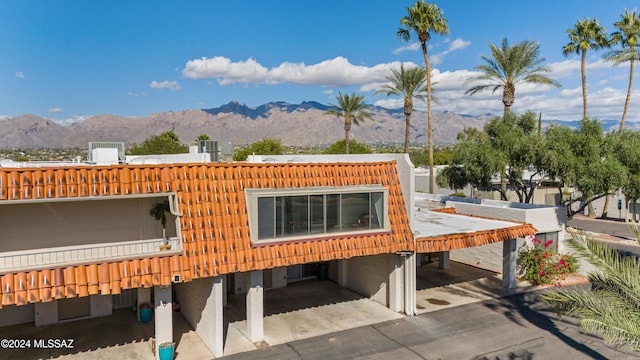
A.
pixel 68 223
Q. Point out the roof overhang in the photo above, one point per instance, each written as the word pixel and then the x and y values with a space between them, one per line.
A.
pixel 444 231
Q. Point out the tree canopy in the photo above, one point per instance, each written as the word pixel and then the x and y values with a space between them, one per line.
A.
pixel 339 147
pixel 584 158
pixel 166 143
pixel 585 35
pixel 511 143
pixel 266 146
pixel 508 66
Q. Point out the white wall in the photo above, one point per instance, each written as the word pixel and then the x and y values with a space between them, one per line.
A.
pixel 202 307
pixel 369 276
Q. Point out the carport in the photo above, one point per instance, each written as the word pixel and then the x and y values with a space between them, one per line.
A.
pixel 439 231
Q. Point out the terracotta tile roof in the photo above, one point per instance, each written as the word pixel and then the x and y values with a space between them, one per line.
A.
pixel 456 241
pixel 465 240
pixel 214 225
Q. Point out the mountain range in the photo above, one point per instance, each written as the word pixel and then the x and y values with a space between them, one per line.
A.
pixel 302 125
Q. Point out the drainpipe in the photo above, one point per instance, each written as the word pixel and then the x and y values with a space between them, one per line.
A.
pixel 173 210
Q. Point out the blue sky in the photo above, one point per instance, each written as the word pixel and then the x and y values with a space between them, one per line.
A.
pixel 68 60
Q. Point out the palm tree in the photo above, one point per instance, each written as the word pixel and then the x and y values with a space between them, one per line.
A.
pixel 586 34
pixel 510 66
pixel 353 109
pixel 611 306
pixel 627 36
pixel 424 19
pixel 409 84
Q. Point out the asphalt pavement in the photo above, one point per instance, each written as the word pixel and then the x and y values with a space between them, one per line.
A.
pixel 513 327
pixel 616 233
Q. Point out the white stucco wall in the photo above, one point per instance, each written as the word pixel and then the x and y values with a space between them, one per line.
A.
pixel 201 304
pixel 369 276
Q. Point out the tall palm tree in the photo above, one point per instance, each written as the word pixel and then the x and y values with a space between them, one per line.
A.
pixel 585 35
pixel 424 19
pixel 408 83
pixel 611 306
pixel 628 36
pixel 508 66
pixel 353 109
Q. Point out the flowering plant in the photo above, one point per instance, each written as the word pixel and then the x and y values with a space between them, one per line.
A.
pixel 543 265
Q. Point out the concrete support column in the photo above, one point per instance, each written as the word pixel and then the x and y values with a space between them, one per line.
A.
pixel 395 301
pixel 509 257
pixel 255 310
pixel 163 316
pixel 342 273
pixel 214 304
pixel 144 296
pixel 443 260
pixel 410 284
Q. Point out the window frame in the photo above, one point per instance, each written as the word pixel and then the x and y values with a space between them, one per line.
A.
pixel 252 196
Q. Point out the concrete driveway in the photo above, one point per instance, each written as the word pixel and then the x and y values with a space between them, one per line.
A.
pixel 309 310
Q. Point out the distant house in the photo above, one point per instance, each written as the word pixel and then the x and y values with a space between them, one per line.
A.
pixel 78 240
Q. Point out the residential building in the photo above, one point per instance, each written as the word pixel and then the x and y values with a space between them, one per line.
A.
pixel 78 240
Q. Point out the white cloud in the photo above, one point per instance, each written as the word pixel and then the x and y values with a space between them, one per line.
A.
pixel 455 45
pixel 225 71
pixel 19 74
pixel 390 103
pixel 169 85
pixel 563 104
pixel 136 93
pixel 458 44
pixel 333 72
pixel 411 47
pixel 55 110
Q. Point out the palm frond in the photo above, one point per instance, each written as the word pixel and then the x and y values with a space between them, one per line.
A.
pixel 611 306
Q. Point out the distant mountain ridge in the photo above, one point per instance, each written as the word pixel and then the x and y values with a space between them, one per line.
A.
pixel 301 124
pixel 265 109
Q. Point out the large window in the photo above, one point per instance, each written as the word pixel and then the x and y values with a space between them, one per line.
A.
pixel 288 214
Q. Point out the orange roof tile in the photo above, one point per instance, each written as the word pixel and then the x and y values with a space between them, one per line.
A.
pixel 214 225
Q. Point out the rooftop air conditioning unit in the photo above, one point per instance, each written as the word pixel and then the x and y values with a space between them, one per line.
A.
pixel 106 145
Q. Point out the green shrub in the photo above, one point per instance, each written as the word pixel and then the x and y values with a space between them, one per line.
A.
pixel 542 265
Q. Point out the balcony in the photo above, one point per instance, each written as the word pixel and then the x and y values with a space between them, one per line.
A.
pixel 43 258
